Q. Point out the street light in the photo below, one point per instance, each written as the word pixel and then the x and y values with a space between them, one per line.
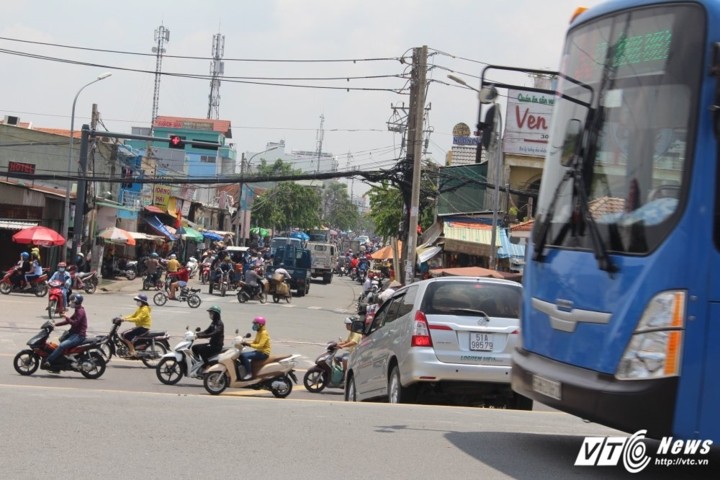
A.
pixel 241 212
pixel 66 216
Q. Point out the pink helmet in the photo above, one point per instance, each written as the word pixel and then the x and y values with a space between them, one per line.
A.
pixel 259 320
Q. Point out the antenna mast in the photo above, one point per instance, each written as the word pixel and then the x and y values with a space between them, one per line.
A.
pixel 162 35
pixel 217 69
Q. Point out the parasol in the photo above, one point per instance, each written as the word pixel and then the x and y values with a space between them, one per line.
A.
pixel 117 235
pixel 39 235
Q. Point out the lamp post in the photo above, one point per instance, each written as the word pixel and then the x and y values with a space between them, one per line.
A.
pixel 488 95
pixel 66 216
pixel 241 217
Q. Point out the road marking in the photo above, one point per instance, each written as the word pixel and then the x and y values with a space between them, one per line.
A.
pixel 314 308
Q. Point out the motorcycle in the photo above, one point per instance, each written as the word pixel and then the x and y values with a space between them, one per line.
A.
pixel 149 347
pixel 327 372
pixel 205 273
pixel 56 298
pixel 193 266
pixel 116 269
pixel 220 281
pixel 247 292
pixel 182 361
pixel 38 285
pixel 275 374
pixel 83 358
pixel 87 281
pixel 153 280
pixel 353 273
pixel 280 289
pixel 183 294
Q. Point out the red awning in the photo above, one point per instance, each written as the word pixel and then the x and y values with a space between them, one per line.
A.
pixel 154 209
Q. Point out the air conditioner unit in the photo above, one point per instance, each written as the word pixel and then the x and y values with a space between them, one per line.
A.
pixel 11 120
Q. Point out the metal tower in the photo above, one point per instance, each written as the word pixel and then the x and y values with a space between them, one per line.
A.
pixel 217 68
pixel 319 137
pixel 162 35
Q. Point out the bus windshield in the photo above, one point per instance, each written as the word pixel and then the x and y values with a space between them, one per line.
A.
pixel 627 136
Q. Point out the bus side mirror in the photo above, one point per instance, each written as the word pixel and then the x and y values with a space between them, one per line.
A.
pixel 573 132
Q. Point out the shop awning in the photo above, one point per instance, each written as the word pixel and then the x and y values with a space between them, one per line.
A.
pixel 145 236
pixel 159 227
pixel 426 253
pixel 10 224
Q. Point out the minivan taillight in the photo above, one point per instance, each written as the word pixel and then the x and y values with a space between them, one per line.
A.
pixel 421 331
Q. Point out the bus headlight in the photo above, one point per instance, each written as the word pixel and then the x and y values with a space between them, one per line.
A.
pixel 655 347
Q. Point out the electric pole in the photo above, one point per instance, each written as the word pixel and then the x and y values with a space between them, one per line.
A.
pixel 414 153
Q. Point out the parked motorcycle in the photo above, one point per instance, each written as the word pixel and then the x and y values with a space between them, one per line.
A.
pixel 38 286
pixel 327 372
pixel 149 348
pixel 182 361
pixel 182 294
pixel 118 269
pixel 83 358
pixel 56 299
pixel 247 292
pixel 275 374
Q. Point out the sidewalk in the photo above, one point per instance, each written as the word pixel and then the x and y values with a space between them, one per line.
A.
pixel 122 285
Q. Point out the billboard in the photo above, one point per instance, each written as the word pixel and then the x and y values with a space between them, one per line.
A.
pixel 527 123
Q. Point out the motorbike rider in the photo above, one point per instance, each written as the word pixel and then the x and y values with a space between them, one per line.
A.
pixel 252 282
pixel 62 275
pixel 35 271
pixel 349 344
pixel 215 332
pixel 261 346
pixel 179 280
pixel 172 265
pixel 151 267
pixel 142 320
pixel 76 335
pixel 23 266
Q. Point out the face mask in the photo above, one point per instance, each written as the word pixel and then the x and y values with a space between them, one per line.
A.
pixel 61 269
pixel 139 304
pixel 255 327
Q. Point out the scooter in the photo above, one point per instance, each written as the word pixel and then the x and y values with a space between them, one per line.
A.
pixel 83 358
pixel 276 374
pixel 56 299
pixel 193 266
pixel 247 292
pixel 38 285
pixel 183 294
pixel 327 372
pixel 87 281
pixel 182 361
pixel 153 280
pixel 205 273
pixel 149 347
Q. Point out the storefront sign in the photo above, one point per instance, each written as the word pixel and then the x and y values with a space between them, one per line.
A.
pixel 17 167
pixel 162 195
pixel 527 124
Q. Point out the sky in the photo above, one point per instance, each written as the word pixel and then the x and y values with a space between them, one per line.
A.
pixel 462 36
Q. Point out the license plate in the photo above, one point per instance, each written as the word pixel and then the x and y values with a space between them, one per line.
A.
pixel 549 388
pixel 481 342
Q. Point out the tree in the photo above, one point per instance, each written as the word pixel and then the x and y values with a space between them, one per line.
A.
pixel 287 205
pixel 277 168
pixel 338 209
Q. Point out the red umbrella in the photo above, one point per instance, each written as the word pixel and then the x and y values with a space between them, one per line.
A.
pixel 42 236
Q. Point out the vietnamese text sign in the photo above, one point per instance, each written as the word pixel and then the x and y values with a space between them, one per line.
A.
pixel 527 124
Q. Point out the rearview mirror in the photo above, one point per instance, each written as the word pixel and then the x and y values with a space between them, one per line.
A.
pixel 197 329
pixel 247 335
pixel 571 142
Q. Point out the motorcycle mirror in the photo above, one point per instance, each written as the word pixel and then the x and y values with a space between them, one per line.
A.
pixel 247 335
pixel 237 331
pixel 197 329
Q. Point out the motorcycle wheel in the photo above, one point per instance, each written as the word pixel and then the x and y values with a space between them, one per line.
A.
pixel 52 309
pixel 130 274
pixel 169 371
pixel 160 299
pixel 242 297
pixel 283 390
pixel 204 278
pixel 223 289
pixel 41 291
pixel 26 362
pixel 106 351
pixel 93 365
pixel 147 284
pixel 194 301
pixel 157 350
pixel 276 299
pixel 5 288
pixel 215 383
pixel 262 297
pixel 314 380
pixel 90 287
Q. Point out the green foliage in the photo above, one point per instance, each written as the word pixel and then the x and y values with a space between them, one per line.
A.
pixel 386 209
pixel 277 168
pixel 287 205
pixel 338 210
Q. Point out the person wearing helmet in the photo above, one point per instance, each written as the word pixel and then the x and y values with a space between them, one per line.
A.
pixel 152 264
pixel 261 346
pixel 23 266
pixel 142 320
pixel 75 336
pixel 215 332
pixel 62 275
pixel 172 265
pixel 35 270
pixel 252 282
pixel 349 344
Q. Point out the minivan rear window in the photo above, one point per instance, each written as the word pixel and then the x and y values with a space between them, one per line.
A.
pixel 470 298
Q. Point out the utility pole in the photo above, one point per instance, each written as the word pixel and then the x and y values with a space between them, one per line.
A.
pixel 414 153
pixel 80 197
pixel 89 223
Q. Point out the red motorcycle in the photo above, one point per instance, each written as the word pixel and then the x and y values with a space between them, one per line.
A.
pixel 204 273
pixel 56 299
pixel 38 286
pixel 85 358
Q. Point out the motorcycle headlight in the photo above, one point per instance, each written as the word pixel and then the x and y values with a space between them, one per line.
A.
pixel 655 348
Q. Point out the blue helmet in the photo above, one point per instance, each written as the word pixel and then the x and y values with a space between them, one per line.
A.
pixel 25 255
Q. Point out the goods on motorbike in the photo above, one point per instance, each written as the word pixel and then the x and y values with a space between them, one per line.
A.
pixel 149 347
pixel 275 374
pixel 83 358
pixel 182 362
pixel 279 290
pixel 183 294
pixel 327 372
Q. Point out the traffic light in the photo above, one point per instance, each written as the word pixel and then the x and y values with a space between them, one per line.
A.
pixel 176 141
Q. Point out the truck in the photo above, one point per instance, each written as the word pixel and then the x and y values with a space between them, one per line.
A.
pixel 298 262
pixel 324 258
pixel 280 241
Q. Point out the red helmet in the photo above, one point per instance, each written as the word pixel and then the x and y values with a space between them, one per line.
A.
pixel 259 320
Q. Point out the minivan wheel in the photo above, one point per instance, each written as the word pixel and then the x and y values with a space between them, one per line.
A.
pixel 396 392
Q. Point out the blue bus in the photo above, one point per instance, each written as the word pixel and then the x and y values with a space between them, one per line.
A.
pixel 621 307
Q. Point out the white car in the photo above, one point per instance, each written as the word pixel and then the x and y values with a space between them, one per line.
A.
pixel 448 334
